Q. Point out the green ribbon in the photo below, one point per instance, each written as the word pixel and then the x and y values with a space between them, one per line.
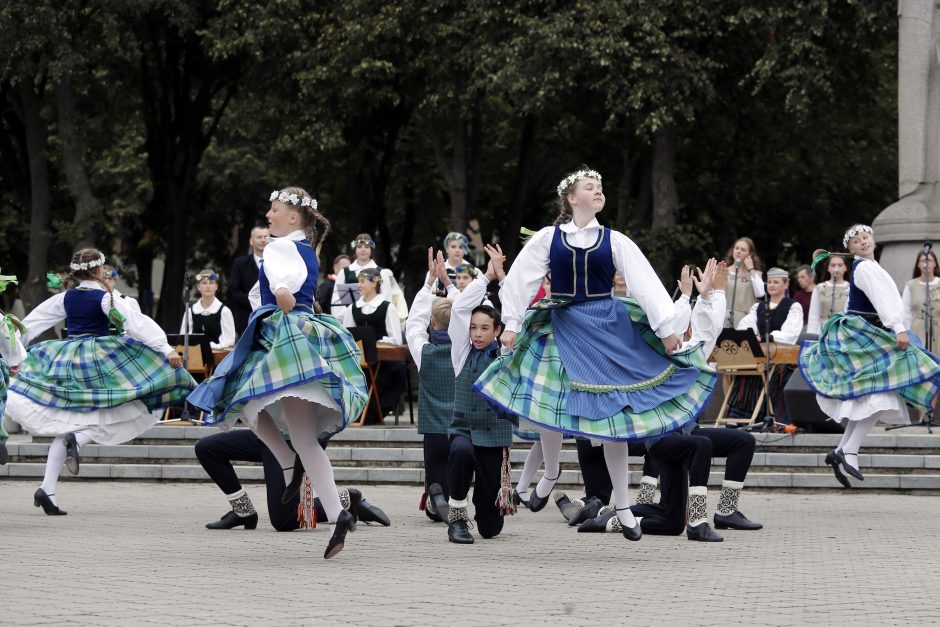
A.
pixel 820 258
pixel 53 281
pixel 117 319
pixel 527 232
pixel 9 325
pixel 6 279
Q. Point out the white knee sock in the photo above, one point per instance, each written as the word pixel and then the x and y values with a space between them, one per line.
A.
pixel 82 438
pixel 616 456
pixel 551 453
pixel 300 424
pixel 854 440
pixel 54 462
pixel 272 437
pixel 849 428
pixel 532 462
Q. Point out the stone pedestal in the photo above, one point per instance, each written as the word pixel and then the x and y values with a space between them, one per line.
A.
pixel 902 228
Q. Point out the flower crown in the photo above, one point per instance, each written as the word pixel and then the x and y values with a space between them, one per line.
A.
pixel 87 265
pixel 466 269
pixel 853 231
pixel 571 179
pixel 362 242
pixel 212 276
pixel 293 199
pixel 375 278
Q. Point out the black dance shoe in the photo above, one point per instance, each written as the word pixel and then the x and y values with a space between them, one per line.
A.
pixel 232 520
pixel 436 496
pixel 71 453
pixel 702 533
pixel 736 520
pixel 590 509
pixel 518 501
pixel 855 472
pixel 364 511
pixel 458 532
pixel 4 454
pixel 293 488
pixel 344 524
pixel 837 470
pixel 41 498
pixel 566 506
pixel 598 524
pixel 633 533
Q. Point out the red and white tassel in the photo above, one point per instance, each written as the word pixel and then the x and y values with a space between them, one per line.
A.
pixel 504 500
pixel 306 513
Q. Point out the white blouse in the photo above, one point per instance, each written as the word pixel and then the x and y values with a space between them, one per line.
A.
pixel 757 282
pixel 227 338
pixel 136 325
pixel 881 290
pixel 392 323
pixel 906 300
pixel 532 264
pixel 789 332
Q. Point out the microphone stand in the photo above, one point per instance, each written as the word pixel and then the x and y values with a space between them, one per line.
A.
pixel 734 293
pixel 927 419
pixel 769 423
pixel 185 416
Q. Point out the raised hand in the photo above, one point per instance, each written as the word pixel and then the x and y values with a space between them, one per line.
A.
pixel 432 267
pixel 704 280
pixel 720 282
pixel 441 270
pixel 497 259
pixel 685 280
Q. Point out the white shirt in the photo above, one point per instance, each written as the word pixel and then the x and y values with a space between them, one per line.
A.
pixel 12 348
pixel 532 264
pixel 708 318
pixel 416 327
pixel 881 290
pixel 283 266
pixel 392 323
pixel 814 321
pixel 789 332
pixel 227 338
pixel 906 300
pixel 136 325
pixel 757 282
pixel 460 313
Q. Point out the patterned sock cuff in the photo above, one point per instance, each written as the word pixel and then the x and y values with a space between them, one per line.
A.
pixel 698 490
pixel 733 485
pixel 650 480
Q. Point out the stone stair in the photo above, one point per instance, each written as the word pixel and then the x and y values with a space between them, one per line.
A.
pixel 393 455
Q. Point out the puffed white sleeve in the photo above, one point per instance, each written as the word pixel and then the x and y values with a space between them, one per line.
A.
pixel 416 327
pixel 881 290
pixel 460 314
pixel 749 321
pixel 254 296
pixel 227 339
pixel 284 266
pixel 138 326
pixel 707 319
pixel 683 315
pixel 789 331
pixel 524 278
pixel 906 302
pixel 645 286
pixel 813 323
pixel 392 324
pixel 46 315
pixel 12 348
pixel 757 282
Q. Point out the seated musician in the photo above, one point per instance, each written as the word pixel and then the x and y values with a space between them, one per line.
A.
pixel 208 315
pixel 785 318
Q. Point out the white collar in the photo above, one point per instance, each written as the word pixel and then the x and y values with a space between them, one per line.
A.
pixel 295 236
pixel 91 284
pixel 215 306
pixel 355 265
pixel 571 227
pixel 372 304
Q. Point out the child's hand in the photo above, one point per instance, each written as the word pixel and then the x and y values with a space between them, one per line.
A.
pixel 285 300
pixel 432 267
pixel 703 283
pixel 497 259
pixel 685 280
pixel 442 271
pixel 175 359
pixel 508 338
pixel 720 281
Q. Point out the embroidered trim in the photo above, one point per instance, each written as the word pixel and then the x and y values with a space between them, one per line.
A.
pixel 600 388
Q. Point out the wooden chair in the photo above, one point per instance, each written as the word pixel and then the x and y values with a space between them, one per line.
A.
pixel 734 357
pixel 371 371
pixel 196 366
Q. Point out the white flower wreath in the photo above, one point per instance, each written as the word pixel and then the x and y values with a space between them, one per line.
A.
pixel 293 199
pixel 853 231
pixel 87 265
pixel 571 179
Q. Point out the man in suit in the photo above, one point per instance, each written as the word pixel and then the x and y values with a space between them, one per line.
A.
pixel 243 276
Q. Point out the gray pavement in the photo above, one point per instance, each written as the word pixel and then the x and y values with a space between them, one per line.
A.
pixel 137 554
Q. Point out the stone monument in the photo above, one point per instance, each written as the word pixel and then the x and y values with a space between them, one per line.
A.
pixel 903 227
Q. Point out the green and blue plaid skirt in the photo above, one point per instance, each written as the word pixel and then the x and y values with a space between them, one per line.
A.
pixel 531 382
pixel 854 358
pixel 278 352
pixel 4 386
pixel 86 373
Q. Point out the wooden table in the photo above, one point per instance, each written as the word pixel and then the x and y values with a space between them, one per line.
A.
pixel 397 352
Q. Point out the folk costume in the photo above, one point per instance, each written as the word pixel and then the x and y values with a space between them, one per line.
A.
pixel 92 386
pixel 216 321
pixel 431 354
pixel 828 299
pixel 913 299
pixel 858 373
pixel 747 288
pixel 479 440
pixel 390 288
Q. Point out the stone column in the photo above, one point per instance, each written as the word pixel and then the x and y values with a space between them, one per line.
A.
pixel 903 226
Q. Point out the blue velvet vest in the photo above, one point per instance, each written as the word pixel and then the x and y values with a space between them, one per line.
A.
pixel 83 315
pixel 308 290
pixel 859 303
pixel 581 274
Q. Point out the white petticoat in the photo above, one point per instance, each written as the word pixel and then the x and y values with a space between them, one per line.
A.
pixel 327 414
pixel 112 425
pixel 888 406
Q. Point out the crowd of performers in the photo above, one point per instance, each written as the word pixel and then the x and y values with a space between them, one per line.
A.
pixel 564 359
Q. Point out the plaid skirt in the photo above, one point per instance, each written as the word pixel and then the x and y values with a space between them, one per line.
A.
pixel 4 385
pixel 532 383
pixel 300 354
pixel 854 358
pixel 88 373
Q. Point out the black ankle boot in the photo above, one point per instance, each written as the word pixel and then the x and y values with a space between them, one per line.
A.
pixel 231 520
pixel 436 496
pixel 588 511
pixel 71 453
pixel 293 488
pixel 598 524
pixel 40 498
pixel 702 533
pixel 344 524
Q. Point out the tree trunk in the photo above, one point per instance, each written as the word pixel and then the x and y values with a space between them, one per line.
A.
pixel 454 171
pixel 33 289
pixel 520 185
pixel 86 205
pixel 665 196
pixel 624 198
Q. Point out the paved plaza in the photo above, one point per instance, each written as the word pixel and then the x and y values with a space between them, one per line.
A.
pixel 138 554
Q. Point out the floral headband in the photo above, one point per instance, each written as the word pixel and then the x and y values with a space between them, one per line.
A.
pixel 212 276
pixel 571 179
pixel 375 278
pixel 459 237
pixel 293 199
pixel 362 242
pixel 87 265
pixel 471 270
pixel 855 230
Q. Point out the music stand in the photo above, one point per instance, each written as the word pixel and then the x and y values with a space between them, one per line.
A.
pixel 345 294
pixel 735 355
